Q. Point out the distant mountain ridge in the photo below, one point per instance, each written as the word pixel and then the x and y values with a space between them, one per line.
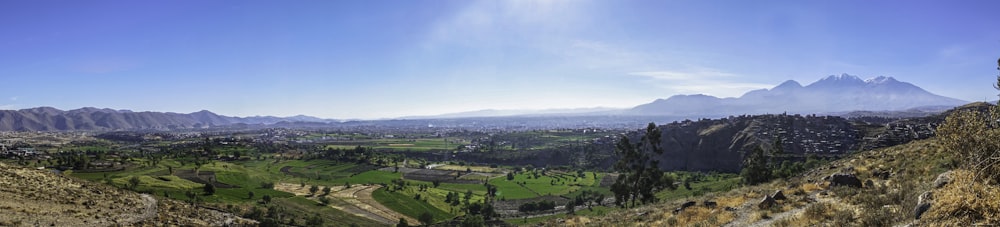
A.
pixel 832 94
pixel 89 118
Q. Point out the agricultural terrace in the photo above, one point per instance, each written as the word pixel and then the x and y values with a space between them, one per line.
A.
pixel 399 144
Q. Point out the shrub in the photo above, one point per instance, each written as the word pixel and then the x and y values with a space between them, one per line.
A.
pixel 971 135
pixel 843 218
pixel 816 211
pixel 965 202
pixel 876 217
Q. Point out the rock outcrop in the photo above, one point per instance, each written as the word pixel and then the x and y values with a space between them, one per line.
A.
pixel 841 179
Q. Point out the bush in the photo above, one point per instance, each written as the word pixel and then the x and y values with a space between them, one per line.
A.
pixel 876 217
pixel 971 135
pixel 816 211
pixel 537 206
pixel 209 189
pixel 843 218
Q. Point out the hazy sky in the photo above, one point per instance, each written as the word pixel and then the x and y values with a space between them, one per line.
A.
pixel 373 59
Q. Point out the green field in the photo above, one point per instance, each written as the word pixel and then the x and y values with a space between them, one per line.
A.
pixel 525 185
pixel 423 144
pixel 404 203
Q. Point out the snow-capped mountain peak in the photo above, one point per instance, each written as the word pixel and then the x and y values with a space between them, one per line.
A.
pixel 881 80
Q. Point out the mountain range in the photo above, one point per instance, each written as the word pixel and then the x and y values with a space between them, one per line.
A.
pixel 89 118
pixel 832 94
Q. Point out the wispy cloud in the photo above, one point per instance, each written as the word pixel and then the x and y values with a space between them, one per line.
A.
pixel 14 98
pixel 700 81
pixel 485 23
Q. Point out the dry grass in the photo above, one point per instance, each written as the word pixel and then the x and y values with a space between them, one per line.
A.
pixel 810 187
pixel 965 202
pixel 731 201
pixel 697 215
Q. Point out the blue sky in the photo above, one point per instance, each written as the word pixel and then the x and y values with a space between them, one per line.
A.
pixel 375 59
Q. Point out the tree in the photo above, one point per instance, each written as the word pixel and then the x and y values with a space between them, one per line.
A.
pixel 324 200
pixel 326 190
pixel 640 175
pixel 426 218
pixel 313 189
pixel 755 169
pixel 473 221
pixel 402 223
pixel 209 189
pixel 571 207
pixel 134 182
pixel 266 199
pixel 250 195
pixel 315 220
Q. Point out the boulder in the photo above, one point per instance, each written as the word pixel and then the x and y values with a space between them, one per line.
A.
pixel 688 204
pixel 778 195
pixel 869 183
pixel 767 202
pixel 942 179
pixel 920 209
pixel 925 197
pixel 845 180
pixel 923 204
pixel 709 203
pixel 684 206
pixel 884 175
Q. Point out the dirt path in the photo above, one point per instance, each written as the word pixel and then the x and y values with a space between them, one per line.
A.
pixel 148 211
pixel 744 212
pixel 368 203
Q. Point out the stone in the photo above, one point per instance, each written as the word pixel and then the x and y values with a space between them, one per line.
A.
pixel 920 209
pixel 845 180
pixel 709 203
pixel 923 204
pixel 688 204
pixel 778 195
pixel 942 179
pixel 870 184
pixel 767 202
pixel 884 175
pixel 684 206
pixel 925 197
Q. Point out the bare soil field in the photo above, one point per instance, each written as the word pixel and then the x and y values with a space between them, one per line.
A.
pixel 356 200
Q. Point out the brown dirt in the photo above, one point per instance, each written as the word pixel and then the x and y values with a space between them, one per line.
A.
pixel 356 200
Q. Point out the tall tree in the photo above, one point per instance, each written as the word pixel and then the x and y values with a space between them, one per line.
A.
pixel 639 176
pixel 755 169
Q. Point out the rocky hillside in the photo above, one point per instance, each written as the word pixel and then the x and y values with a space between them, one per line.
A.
pixel 882 187
pixel 719 144
pixel 31 197
pixel 918 183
